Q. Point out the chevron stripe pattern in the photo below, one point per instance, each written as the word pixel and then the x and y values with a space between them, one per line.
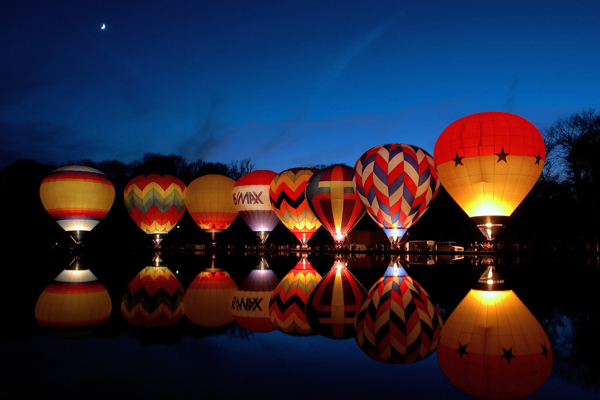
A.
pixel 289 203
pixel 153 298
pixel 288 301
pixel 155 202
pixel 397 322
pixel 396 183
pixel 333 200
pixel 77 197
pixel 333 305
pixel 208 299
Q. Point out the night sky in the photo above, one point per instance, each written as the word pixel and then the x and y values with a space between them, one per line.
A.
pixel 286 83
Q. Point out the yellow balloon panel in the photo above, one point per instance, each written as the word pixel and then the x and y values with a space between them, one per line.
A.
pixel 207 301
pixel 209 201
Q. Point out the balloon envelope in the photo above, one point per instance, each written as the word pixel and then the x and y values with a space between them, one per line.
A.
pixel 153 298
pixel 251 198
pixel 396 183
pixel 208 298
pixel 493 347
pixel 488 163
pixel 397 323
pixel 209 202
pixel 289 203
pixel 155 202
pixel 332 199
pixel 288 301
pixel 74 304
pixel 250 303
pixel 77 197
pixel 334 303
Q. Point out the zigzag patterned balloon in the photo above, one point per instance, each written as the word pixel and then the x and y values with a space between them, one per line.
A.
pixel 153 298
pixel 396 183
pixel 155 202
pixel 397 322
pixel 289 203
pixel 288 301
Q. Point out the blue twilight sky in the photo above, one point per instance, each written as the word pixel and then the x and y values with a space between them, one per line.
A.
pixel 285 83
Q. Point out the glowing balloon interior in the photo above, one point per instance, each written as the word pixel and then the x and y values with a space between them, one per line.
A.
pixel 396 183
pixel 289 203
pixel 156 203
pixel 332 199
pixel 77 197
pixel 488 163
pixel 209 202
pixel 251 198
pixel 208 299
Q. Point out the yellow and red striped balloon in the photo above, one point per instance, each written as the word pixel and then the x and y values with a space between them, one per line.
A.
pixel 210 203
pixel 155 202
pixel 74 304
pixel 77 197
pixel 289 202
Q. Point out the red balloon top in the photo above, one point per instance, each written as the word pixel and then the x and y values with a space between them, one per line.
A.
pixel 486 134
pixel 260 177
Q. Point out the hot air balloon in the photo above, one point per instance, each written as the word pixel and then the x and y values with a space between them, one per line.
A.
pixel 332 199
pixel 488 162
pixel 396 183
pixel 334 303
pixel 397 323
pixel 250 303
pixel 289 203
pixel 288 301
pixel 77 197
pixel 208 298
pixel 209 202
pixel 153 298
pixel 75 304
pixel 156 203
pixel 251 198
pixel 492 346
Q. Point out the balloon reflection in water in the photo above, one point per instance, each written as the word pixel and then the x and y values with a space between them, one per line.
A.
pixel 153 298
pixel 396 183
pixel 77 197
pixel 397 322
pixel 74 304
pixel 250 303
pixel 334 303
pixel 288 301
pixel 290 205
pixel 488 162
pixel 492 346
pixel 208 299
pixel 332 199
pixel 156 203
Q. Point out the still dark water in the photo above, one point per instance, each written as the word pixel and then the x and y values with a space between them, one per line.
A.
pixel 184 360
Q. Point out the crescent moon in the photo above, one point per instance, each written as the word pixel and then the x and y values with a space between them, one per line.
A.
pixel 103 26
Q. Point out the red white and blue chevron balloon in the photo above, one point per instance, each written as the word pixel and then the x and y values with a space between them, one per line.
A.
pixel 396 183
pixel 397 323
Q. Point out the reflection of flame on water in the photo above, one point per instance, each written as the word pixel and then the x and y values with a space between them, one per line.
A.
pixel 492 346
